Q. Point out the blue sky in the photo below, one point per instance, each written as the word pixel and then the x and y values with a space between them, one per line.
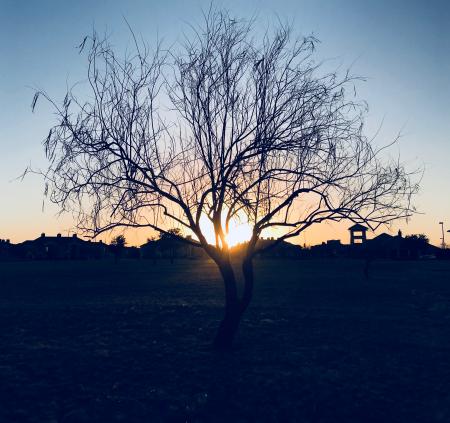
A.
pixel 402 47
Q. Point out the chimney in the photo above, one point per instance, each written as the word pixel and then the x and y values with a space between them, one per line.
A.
pixel 43 235
pixel 74 236
pixel 58 236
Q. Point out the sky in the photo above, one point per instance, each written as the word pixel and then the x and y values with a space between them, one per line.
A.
pixel 402 47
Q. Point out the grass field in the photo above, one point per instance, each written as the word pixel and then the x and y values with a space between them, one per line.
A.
pixel 130 342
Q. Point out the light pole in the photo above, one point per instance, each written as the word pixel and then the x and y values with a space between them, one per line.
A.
pixel 443 235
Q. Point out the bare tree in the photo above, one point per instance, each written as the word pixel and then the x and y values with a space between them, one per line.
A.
pixel 226 126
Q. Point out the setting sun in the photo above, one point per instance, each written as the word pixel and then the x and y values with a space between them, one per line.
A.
pixel 239 231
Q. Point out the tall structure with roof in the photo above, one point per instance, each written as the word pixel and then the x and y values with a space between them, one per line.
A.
pixel 357 234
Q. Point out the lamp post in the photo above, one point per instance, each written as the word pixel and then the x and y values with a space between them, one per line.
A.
pixel 443 235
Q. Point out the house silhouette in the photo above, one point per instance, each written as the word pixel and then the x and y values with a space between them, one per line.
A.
pixel 60 248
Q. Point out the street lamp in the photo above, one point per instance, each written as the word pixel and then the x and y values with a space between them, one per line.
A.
pixel 443 235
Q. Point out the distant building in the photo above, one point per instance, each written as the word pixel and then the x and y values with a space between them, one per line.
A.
pixel 170 248
pixel 59 248
pixel 331 248
pixel 399 247
pixel 357 234
pixel 282 249
pixel 382 246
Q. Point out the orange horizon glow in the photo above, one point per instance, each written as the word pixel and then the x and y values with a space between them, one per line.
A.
pixel 22 229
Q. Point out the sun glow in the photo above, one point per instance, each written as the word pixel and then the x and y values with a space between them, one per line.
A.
pixel 239 231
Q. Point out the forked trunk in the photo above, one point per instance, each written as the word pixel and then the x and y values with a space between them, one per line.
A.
pixel 234 307
pixel 229 325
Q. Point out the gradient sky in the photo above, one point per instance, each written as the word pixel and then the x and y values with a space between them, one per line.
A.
pixel 401 46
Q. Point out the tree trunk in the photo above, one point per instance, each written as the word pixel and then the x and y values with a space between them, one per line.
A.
pixel 227 329
pixel 234 308
pixel 229 325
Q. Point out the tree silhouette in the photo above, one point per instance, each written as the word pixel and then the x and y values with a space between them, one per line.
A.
pixel 420 239
pixel 118 243
pixel 226 126
pixel 417 243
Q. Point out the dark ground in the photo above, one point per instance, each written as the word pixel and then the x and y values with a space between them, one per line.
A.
pixel 99 342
